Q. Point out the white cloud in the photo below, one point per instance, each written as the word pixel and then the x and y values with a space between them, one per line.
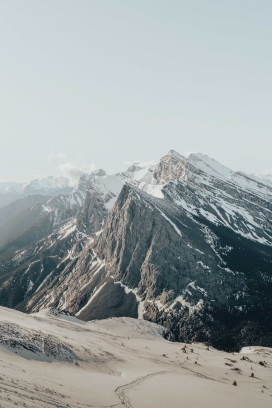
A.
pixel 53 157
pixel 72 169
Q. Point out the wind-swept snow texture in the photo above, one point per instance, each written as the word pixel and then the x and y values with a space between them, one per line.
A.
pixel 51 359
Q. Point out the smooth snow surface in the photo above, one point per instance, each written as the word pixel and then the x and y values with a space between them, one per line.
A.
pixel 48 360
pixel 209 165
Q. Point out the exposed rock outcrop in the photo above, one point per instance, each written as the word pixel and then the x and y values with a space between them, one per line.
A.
pixel 186 243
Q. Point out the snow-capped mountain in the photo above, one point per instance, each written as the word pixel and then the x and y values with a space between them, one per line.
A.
pixel 46 185
pixel 35 216
pixel 49 186
pixel 7 187
pixel 231 199
pixel 186 243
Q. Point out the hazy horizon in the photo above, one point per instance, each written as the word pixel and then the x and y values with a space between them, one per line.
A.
pixel 72 170
pixel 96 84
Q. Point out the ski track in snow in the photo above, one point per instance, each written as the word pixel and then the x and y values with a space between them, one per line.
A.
pixel 120 362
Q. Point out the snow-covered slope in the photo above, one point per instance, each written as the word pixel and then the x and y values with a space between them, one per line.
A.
pixel 51 359
pixel 209 190
pixel 186 242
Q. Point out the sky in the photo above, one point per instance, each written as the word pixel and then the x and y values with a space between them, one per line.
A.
pixel 93 84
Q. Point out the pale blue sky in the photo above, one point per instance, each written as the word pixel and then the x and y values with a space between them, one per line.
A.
pixel 111 81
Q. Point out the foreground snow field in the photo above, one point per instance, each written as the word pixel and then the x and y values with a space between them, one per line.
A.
pixel 52 360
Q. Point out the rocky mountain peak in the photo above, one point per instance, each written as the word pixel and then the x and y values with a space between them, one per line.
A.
pixel 171 167
pixel 186 243
pixel 175 154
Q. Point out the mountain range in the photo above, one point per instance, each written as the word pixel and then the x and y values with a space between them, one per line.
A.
pixel 49 186
pixel 186 243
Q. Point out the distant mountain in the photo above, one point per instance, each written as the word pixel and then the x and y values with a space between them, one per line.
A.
pixel 34 217
pixel 6 187
pixel 186 243
pixel 16 207
pixel 49 186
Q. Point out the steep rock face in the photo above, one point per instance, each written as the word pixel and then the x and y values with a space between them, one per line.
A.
pixel 171 167
pixel 199 279
pixel 81 285
pixel 143 248
pixel 92 216
pixel 202 281
pixel 186 243
pixel 98 192
pixel 102 193
pixel 23 272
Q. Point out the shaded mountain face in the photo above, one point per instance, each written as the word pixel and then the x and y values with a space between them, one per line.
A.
pixel 12 210
pixel 19 215
pixel 186 244
pixel 36 216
